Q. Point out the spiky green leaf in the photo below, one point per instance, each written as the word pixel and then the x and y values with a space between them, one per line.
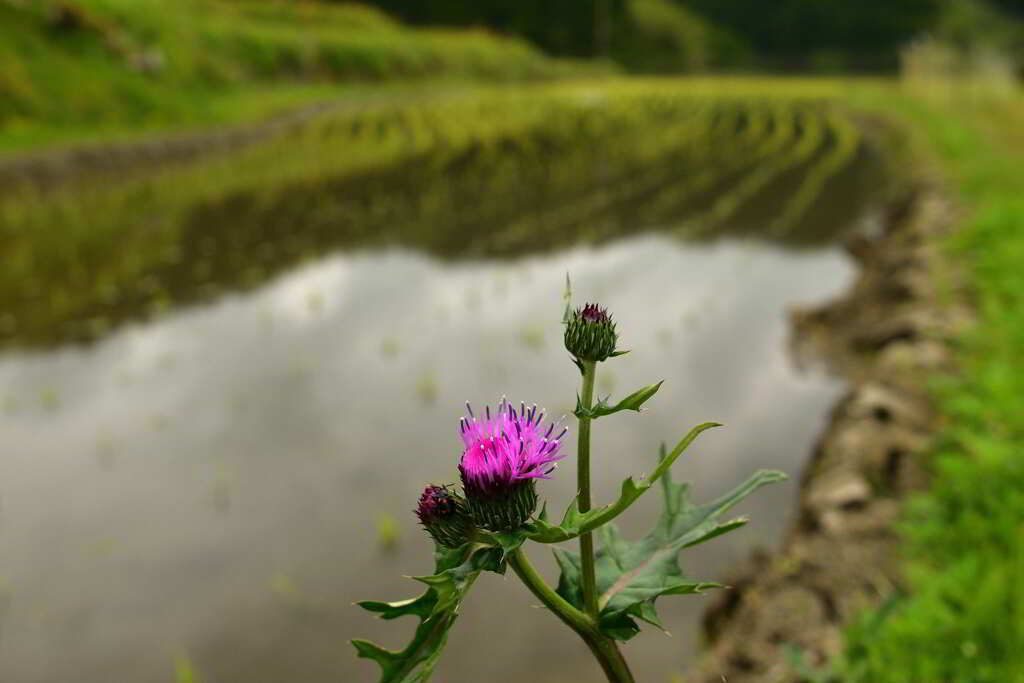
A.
pixel 567 295
pixel 632 402
pixel 575 523
pixel 631 575
pixel 437 609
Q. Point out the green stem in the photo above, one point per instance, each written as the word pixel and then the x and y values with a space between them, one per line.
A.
pixel 583 484
pixel 573 618
pixel 603 648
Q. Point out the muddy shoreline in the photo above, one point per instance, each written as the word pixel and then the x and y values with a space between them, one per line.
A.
pixel 886 336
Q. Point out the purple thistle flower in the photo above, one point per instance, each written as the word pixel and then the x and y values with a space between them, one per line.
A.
pixel 505 453
pixel 506 448
pixel 444 516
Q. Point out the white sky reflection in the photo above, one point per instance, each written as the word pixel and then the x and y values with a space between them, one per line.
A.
pixel 211 482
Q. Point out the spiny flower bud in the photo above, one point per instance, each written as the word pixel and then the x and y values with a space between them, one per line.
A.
pixel 504 456
pixel 445 517
pixel 590 333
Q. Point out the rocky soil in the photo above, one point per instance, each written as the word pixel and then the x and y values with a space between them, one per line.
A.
pixel 887 336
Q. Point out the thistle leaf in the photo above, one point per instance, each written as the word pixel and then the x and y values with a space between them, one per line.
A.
pixel 502 544
pixel 575 523
pixel 631 575
pixel 632 402
pixel 567 295
pixel 437 609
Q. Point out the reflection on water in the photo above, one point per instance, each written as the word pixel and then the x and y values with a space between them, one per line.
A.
pixel 223 483
pixel 81 264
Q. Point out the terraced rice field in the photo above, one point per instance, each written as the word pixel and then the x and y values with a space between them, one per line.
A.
pixel 458 174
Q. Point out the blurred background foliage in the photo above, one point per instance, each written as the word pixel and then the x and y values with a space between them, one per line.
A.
pixel 687 35
pixel 95 62
pixel 89 63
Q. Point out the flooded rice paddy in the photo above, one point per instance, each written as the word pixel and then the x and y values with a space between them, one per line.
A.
pixel 213 486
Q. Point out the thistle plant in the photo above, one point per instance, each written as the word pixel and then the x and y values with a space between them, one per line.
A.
pixel 606 589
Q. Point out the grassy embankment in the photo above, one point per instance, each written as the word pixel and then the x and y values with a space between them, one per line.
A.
pixel 963 619
pixel 81 69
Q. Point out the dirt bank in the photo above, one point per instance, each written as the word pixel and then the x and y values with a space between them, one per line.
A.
pixel 887 335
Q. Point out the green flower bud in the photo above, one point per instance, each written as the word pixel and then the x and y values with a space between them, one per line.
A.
pixel 590 334
pixel 502 509
pixel 445 516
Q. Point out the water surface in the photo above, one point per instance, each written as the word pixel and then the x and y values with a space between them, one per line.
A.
pixel 219 483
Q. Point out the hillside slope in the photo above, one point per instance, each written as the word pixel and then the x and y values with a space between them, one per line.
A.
pixel 102 64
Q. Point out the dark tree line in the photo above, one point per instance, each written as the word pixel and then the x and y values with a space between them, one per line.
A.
pixel 859 34
pixel 780 34
pixel 1014 7
pixel 563 27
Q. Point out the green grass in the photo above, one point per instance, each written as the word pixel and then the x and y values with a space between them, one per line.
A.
pixel 109 65
pixel 963 619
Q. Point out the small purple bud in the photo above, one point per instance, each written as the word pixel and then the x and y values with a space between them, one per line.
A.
pixel 593 313
pixel 445 517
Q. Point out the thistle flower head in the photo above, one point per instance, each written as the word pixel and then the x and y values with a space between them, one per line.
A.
pixel 590 333
pixel 444 515
pixel 505 453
